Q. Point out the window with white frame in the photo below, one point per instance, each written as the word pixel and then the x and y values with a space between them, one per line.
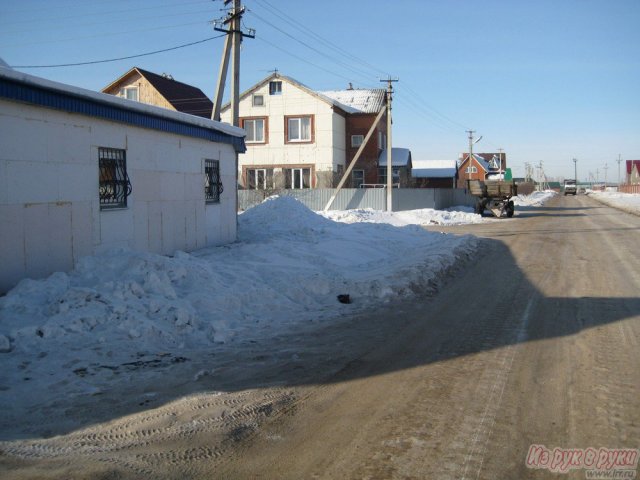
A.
pixel 472 169
pixel 296 178
pixel 299 129
pixel 255 130
pixel 260 178
pixel 275 88
pixel 130 93
pixel 356 140
pixel 357 178
pixel 114 185
pixel 212 181
pixel 258 100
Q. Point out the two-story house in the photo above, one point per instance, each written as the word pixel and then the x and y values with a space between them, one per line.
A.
pixel 160 90
pixel 300 138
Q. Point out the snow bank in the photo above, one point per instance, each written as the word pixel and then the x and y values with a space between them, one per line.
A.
pixel 287 269
pixel 535 199
pixel 629 202
pixel 427 216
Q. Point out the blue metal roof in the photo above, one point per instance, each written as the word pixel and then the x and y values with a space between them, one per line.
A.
pixel 73 103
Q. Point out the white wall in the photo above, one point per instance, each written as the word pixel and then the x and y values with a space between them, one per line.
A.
pixel 328 149
pixel 49 205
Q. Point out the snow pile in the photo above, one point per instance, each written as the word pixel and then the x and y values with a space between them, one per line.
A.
pixel 535 199
pixel 425 216
pixel 286 270
pixel 629 202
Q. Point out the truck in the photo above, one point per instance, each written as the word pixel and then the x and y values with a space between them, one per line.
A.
pixel 494 195
pixel 570 187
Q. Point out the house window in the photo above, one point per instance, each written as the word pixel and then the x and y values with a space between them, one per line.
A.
pixel 472 169
pixel 258 100
pixel 114 185
pixel 299 129
pixel 357 178
pixel 130 93
pixel 275 88
pixel 297 177
pixel 255 130
pixel 382 175
pixel 260 178
pixel 382 141
pixel 356 140
pixel 212 181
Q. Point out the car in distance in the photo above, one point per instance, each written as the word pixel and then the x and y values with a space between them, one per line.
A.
pixel 570 187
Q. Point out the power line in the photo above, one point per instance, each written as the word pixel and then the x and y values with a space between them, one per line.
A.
pixel 310 47
pixel 261 38
pixel 281 15
pixel 120 58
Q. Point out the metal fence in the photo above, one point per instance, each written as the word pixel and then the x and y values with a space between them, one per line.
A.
pixel 629 188
pixel 375 198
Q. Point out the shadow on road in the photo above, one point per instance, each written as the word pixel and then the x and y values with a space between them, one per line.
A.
pixel 481 307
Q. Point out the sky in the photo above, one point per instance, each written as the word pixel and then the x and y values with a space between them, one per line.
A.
pixel 547 81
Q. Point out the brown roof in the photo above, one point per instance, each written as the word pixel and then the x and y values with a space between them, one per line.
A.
pixel 183 97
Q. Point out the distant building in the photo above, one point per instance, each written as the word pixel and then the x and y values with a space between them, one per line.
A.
pixel 633 172
pixel 401 167
pixel 434 173
pixel 160 90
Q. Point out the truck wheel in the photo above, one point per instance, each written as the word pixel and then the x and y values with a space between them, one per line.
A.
pixel 510 209
pixel 479 207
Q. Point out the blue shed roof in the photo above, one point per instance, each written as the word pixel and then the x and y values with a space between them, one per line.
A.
pixel 20 87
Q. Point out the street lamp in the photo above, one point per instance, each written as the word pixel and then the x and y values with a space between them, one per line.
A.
pixel 575 168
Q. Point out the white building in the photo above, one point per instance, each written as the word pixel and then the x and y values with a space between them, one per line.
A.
pixel 297 137
pixel 82 171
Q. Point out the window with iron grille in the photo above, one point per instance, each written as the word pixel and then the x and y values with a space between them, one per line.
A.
pixel 115 186
pixel 212 181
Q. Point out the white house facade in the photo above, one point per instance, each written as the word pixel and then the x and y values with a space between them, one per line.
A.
pixel 82 171
pixel 295 136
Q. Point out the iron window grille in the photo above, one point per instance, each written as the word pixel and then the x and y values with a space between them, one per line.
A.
pixel 212 181
pixel 115 186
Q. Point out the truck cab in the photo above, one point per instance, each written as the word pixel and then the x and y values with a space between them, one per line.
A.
pixel 570 187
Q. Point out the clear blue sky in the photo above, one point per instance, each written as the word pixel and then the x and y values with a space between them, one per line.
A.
pixel 546 80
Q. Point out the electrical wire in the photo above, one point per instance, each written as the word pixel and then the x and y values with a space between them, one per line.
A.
pixel 120 58
pixel 307 31
pixel 302 42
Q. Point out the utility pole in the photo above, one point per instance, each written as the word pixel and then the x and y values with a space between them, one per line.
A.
pixel 233 22
pixel 470 132
pixel 389 145
pixel 575 167
pixel 606 167
pixel 619 162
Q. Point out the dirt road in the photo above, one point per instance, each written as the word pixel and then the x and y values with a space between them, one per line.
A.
pixel 535 342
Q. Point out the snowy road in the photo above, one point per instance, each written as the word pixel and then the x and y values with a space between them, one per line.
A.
pixel 537 342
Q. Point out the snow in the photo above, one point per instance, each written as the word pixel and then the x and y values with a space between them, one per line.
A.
pixel 625 201
pixel 64 336
pixel 535 199
pixel 427 216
